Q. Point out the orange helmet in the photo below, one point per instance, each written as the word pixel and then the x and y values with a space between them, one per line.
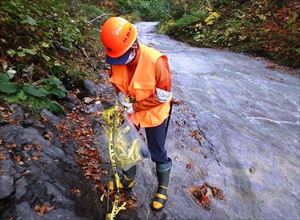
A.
pixel 117 35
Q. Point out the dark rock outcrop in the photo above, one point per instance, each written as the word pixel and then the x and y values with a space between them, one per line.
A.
pixel 92 88
pixel 37 171
pixel 49 116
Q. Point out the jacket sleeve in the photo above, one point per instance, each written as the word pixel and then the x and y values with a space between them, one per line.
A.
pixel 163 87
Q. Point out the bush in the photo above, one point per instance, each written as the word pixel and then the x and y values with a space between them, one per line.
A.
pixel 253 26
pixel 220 3
pixel 149 10
pixel 91 11
pixel 41 27
pixel 39 40
pixel 185 26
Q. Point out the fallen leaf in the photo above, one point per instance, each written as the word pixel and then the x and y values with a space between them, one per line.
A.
pixel 271 66
pixel 189 165
pixel 76 191
pixel 48 136
pixel 34 158
pixel 204 193
pixel 18 158
pixel 195 150
pixel 28 147
pixel 43 209
pixel 2 157
pixel 11 146
pixel 177 101
pixel 197 135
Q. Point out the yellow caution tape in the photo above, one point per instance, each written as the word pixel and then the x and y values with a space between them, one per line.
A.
pixel 123 152
pixel 111 118
pixel 126 154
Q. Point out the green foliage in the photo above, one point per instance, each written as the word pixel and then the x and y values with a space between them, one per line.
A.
pixel 4 77
pixel 46 17
pixel 218 3
pixel 40 42
pixel 54 107
pixel 54 87
pixel 185 26
pixel 292 21
pixel 148 10
pixel 29 20
pixel 190 19
pixel 35 91
pixel 90 11
pixel 33 97
pixel 268 28
pixel 8 87
pixel 43 26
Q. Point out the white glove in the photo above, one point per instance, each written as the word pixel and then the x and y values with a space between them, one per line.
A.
pixel 129 109
pixel 128 105
pixel 122 99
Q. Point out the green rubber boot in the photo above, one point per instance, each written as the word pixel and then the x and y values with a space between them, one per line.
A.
pixel 163 175
pixel 126 180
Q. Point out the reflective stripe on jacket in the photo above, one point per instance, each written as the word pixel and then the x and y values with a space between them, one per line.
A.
pixel 141 86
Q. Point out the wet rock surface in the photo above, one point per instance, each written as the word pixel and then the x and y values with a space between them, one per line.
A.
pixel 237 129
pixel 50 117
pixel 18 113
pixel 92 88
pixel 6 186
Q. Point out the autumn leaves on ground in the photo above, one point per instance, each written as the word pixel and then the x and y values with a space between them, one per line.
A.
pixel 50 111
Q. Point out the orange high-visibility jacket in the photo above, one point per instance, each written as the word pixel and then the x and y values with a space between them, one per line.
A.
pixel 141 86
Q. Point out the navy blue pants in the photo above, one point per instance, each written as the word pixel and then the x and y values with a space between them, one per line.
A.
pixel 156 138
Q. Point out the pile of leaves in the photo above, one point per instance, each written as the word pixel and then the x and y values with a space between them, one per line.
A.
pixel 204 193
pixel 78 128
